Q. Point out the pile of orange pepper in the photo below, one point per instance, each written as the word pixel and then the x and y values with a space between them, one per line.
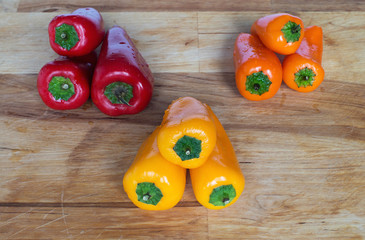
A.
pixel 189 137
pixel 259 72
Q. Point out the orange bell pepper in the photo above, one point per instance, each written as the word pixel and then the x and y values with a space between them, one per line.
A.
pixel 151 182
pixel 219 182
pixel 303 71
pixel 280 32
pixel 188 134
pixel 258 69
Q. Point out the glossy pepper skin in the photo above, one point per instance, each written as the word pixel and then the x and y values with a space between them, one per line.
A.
pixel 76 34
pixel 303 71
pixel 188 134
pixel 150 167
pixel 122 82
pixel 221 170
pixel 258 69
pixel 282 32
pixel 64 83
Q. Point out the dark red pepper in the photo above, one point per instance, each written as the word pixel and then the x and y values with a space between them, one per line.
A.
pixel 65 83
pixel 76 34
pixel 122 82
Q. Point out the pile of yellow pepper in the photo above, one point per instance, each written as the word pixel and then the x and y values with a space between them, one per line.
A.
pixel 189 137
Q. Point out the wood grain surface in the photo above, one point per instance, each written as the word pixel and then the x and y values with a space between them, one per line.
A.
pixel 303 155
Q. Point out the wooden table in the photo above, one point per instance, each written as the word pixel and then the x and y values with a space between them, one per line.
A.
pixel 303 155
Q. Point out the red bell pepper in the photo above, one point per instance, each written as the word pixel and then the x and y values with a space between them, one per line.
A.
pixel 65 82
pixel 122 82
pixel 76 34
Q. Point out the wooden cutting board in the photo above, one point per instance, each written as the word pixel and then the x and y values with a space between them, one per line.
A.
pixel 303 155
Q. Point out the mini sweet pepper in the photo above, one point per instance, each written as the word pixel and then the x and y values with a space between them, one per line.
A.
pixel 303 71
pixel 76 34
pixel 123 81
pixel 65 82
pixel 152 182
pixel 219 182
pixel 258 69
pixel 281 32
pixel 188 134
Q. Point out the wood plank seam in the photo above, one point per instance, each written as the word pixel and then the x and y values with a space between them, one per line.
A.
pixel 85 204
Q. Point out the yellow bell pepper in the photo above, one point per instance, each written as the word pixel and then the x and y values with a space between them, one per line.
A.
pixel 188 134
pixel 152 182
pixel 219 181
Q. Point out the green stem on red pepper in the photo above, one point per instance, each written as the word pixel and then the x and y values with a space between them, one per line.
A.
pixel 61 88
pixel 66 36
pixel 119 93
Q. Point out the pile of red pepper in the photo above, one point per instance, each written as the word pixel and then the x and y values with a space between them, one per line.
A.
pixel 259 72
pixel 119 80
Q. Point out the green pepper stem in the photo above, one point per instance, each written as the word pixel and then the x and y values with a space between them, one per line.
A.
pixel 222 195
pixel 119 93
pixel 65 86
pixel 258 83
pixel 121 98
pixel 304 77
pixel 66 36
pixel 188 148
pixel 61 88
pixel 146 197
pixel 148 193
pixel 291 31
